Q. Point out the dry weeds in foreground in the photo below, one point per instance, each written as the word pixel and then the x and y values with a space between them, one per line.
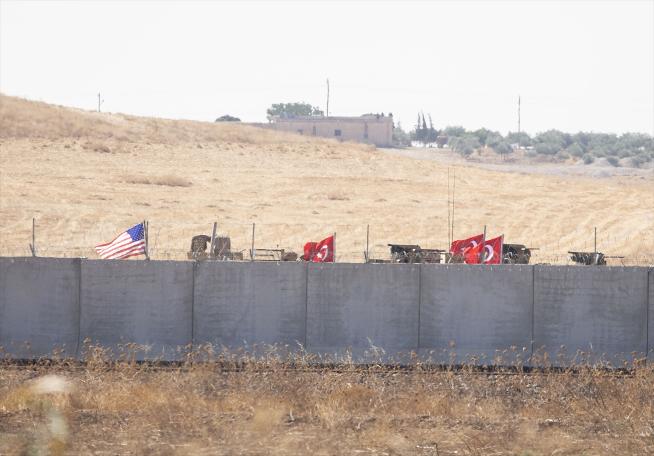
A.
pixel 234 405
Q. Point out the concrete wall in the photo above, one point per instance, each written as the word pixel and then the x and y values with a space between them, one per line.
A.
pixel 476 314
pixel 241 304
pixel 39 306
pixel 650 317
pixel 600 311
pixel 148 303
pixel 357 307
pixel 445 313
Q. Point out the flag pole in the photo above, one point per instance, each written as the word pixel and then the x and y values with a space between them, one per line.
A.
pixel 502 250
pixel 213 240
pixel 449 242
pixel 252 254
pixel 147 240
pixel 33 245
pixel 453 190
pixel 367 243
pixel 482 255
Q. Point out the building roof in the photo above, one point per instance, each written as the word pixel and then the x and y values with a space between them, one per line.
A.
pixel 363 118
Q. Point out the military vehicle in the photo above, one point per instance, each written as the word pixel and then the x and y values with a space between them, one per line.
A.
pixel 409 253
pixel 515 254
pixel 220 250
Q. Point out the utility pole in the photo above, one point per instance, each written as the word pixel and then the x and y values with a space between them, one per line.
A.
pixel 519 122
pixel 327 109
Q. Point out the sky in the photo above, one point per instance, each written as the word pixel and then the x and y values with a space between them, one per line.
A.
pixel 577 66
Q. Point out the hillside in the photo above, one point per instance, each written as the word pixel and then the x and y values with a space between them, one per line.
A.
pixel 87 176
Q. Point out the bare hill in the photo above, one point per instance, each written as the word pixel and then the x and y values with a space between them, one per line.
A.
pixel 87 176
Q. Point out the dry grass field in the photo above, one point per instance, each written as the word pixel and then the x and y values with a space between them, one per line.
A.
pixel 274 407
pixel 87 176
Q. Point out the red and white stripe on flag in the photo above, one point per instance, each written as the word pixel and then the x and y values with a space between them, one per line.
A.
pixel 127 244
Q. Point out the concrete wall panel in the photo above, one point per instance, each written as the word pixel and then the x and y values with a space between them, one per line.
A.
pixel 361 306
pixel 39 306
pixel 147 303
pixel 600 311
pixel 240 304
pixel 479 314
pixel 650 316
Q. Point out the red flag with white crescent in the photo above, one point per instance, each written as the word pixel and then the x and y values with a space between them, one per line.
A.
pixel 462 246
pixel 324 251
pixel 309 251
pixel 492 252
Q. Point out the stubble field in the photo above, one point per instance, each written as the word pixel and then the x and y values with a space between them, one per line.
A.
pixel 85 177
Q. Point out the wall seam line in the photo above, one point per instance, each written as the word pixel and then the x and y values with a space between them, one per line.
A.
pixel 79 310
pixel 420 267
pixel 194 270
pixel 648 303
pixel 533 312
pixel 306 304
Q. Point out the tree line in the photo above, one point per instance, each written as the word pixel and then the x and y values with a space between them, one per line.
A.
pixel 629 149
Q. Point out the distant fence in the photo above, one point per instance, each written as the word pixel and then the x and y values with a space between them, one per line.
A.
pixel 366 312
pixel 171 240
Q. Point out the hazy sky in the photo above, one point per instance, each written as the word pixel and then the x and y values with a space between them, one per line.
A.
pixel 577 65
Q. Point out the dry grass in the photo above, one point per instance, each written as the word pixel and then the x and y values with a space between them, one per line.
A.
pixel 55 167
pixel 289 406
pixel 169 180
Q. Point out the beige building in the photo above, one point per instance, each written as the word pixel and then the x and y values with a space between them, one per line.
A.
pixel 374 129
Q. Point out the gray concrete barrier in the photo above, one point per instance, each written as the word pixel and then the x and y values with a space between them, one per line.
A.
pixel 364 309
pixel 39 306
pixel 590 313
pixel 476 314
pixel 650 316
pixel 242 304
pixel 147 303
pixel 446 313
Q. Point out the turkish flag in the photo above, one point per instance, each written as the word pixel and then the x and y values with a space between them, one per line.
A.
pixel 324 251
pixel 309 251
pixel 492 249
pixel 462 246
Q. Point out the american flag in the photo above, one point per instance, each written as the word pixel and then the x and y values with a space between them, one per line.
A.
pixel 127 244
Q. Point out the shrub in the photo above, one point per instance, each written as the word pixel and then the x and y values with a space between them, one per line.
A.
pixel 503 148
pixel 613 161
pixel 547 148
pixel 465 145
pixel 575 150
pixel 588 159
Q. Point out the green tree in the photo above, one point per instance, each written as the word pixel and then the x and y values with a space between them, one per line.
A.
pixel 575 150
pixel 493 139
pixel 454 132
pixel 502 148
pixel 522 139
pixel 465 145
pixel 300 109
